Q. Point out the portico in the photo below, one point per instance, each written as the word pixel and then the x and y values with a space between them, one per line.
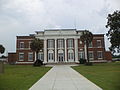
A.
pixel 59 45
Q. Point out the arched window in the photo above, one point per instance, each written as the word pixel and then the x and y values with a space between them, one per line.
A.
pixel 70 55
pixel 50 55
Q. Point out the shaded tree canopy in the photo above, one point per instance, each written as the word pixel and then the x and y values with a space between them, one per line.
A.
pixel 86 38
pixel 2 49
pixel 113 34
pixel 36 45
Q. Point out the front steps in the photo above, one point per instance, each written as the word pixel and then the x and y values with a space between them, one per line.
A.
pixel 61 63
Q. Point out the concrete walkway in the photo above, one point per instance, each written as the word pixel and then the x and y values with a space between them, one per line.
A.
pixel 63 77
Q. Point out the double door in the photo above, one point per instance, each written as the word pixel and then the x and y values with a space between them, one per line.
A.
pixel 60 57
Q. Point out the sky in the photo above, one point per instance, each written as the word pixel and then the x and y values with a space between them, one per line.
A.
pixel 24 17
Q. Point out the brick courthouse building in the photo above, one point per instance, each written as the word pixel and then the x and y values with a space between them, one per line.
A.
pixel 60 45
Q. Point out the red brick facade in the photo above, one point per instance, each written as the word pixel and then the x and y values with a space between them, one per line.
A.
pixel 97 49
pixel 12 57
pixel 26 49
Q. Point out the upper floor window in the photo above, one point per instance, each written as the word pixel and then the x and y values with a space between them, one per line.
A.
pixel 29 44
pixel 99 54
pixel 21 56
pixel 99 43
pixel 30 56
pixel 70 43
pixel 50 43
pixel 21 45
pixel 60 43
pixel 90 44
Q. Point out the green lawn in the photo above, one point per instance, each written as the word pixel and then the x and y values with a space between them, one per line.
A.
pixel 105 75
pixel 21 77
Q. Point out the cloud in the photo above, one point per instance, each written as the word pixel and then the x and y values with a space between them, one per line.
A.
pixel 113 5
pixel 21 17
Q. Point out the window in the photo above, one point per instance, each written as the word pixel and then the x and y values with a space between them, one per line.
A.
pixel 70 55
pixel 90 45
pixel 99 55
pixel 21 56
pixel 60 57
pixel 70 43
pixel 30 56
pixel 29 44
pixel 90 55
pixel 50 43
pixel 60 43
pixel 98 43
pixel 50 56
pixel 40 56
pixel 81 55
pixel 21 45
pixel 80 42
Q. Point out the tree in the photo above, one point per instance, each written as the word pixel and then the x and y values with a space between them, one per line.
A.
pixel 36 45
pixel 2 49
pixel 86 38
pixel 113 33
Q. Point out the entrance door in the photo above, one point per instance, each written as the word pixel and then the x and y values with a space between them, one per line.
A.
pixel 60 57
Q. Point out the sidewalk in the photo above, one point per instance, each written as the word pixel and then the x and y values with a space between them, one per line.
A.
pixel 63 77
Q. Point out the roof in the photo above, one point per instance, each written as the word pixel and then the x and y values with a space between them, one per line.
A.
pixel 58 29
pixel 98 34
pixel 26 37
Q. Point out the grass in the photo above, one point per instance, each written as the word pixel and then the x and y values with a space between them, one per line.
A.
pixel 20 77
pixel 105 75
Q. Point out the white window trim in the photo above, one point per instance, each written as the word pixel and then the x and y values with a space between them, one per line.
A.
pixel 70 45
pixel 100 43
pixel 100 52
pixel 70 52
pixel 92 55
pixel 20 45
pixel 32 56
pixel 90 46
pixel 60 43
pixel 50 43
pixel 29 44
pixel 62 56
pixel 40 55
pixel 19 57
pixel 81 52
pixel 51 59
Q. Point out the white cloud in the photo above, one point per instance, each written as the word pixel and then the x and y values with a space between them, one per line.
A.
pixel 26 16
pixel 113 5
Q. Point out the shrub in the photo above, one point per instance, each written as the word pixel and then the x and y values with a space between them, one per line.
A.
pixel 88 63
pixel 82 61
pixel 38 63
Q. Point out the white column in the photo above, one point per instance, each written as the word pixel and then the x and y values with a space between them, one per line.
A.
pixel 35 56
pixel 55 50
pixel 85 49
pixel 45 51
pixel 65 50
pixel 76 49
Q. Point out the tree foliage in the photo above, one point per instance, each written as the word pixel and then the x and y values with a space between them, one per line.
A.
pixel 113 34
pixel 86 38
pixel 2 49
pixel 36 45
